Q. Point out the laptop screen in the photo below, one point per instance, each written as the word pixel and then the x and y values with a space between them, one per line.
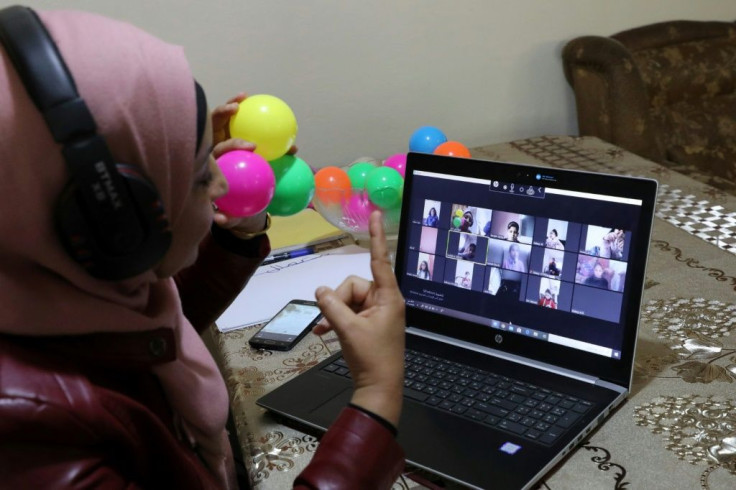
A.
pixel 552 260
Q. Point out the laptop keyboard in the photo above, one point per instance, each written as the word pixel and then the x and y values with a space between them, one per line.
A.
pixel 532 412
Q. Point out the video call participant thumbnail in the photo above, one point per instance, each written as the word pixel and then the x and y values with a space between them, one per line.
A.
pixel 425 266
pixel 512 231
pixel 547 300
pixel 601 273
pixel 555 234
pixel 431 212
pixel 466 246
pixel 468 252
pixel 512 227
pixel 553 262
pixel 596 278
pixel 463 218
pixel 560 292
pixel 607 243
pixel 428 240
pixel 504 283
pixel 553 240
pixel 513 259
pixel 460 273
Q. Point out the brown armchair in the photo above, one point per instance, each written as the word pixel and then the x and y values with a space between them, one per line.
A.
pixel 665 91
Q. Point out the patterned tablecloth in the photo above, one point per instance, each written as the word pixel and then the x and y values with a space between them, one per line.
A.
pixel 678 427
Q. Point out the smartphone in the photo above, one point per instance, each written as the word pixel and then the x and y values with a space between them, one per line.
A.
pixel 288 326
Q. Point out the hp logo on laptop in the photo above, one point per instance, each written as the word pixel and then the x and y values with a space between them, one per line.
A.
pixel 498 338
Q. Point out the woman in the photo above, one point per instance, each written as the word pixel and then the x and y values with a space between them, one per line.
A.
pixel 512 231
pixel 553 241
pixel 423 272
pixel 467 222
pixel 547 300
pixel 552 268
pixel 468 253
pixel 106 383
pixel 597 278
pixel 466 281
pixel 487 228
pixel 512 260
pixel 613 244
pixel 431 219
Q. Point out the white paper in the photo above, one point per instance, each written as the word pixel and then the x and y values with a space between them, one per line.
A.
pixel 274 285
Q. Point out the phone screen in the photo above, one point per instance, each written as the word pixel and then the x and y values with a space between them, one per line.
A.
pixel 289 323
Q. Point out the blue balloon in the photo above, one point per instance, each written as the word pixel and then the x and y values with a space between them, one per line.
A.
pixel 426 139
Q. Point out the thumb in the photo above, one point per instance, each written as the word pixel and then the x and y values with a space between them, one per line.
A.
pixel 335 311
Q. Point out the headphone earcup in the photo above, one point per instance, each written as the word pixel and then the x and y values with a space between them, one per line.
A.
pixel 109 216
pixel 87 242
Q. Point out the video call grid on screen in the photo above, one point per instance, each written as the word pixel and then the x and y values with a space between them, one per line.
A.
pixel 571 259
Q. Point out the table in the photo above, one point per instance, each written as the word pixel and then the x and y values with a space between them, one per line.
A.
pixel 683 401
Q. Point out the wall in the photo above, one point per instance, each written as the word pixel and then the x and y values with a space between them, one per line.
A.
pixel 361 76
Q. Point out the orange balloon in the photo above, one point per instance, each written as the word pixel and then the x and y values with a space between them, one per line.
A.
pixel 452 149
pixel 332 185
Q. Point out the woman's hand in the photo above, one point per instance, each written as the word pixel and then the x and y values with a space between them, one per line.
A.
pixel 224 143
pixel 245 224
pixel 221 118
pixel 368 318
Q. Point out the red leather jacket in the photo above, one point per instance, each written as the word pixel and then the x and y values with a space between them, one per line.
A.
pixel 86 412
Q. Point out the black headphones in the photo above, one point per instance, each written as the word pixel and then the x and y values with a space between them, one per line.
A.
pixel 109 216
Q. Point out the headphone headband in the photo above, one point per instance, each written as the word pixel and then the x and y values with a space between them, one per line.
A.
pixel 44 73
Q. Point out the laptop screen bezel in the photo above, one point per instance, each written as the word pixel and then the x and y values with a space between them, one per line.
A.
pixel 618 371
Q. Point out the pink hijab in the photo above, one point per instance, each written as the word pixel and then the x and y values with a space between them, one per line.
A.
pixel 141 93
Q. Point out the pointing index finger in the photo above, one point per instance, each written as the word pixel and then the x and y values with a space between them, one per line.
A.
pixel 383 275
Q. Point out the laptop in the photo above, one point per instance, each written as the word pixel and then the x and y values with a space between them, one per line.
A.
pixel 523 286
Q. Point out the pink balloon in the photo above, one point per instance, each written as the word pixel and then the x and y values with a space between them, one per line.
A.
pixel 397 162
pixel 357 211
pixel 251 183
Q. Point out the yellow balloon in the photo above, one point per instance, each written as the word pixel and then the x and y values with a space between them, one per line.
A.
pixel 459 213
pixel 266 121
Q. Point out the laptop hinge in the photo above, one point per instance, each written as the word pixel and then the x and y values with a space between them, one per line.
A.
pixel 611 386
pixel 586 378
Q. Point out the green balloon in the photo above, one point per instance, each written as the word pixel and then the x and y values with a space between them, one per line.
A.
pixel 294 186
pixel 385 187
pixel 358 172
pixel 456 222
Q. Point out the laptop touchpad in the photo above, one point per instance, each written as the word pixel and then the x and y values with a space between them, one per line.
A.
pixel 327 412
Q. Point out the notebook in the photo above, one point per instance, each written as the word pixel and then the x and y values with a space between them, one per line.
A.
pixel 302 230
pixel 523 287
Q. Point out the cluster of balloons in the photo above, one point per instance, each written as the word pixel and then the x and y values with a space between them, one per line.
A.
pixel 429 139
pixel 267 178
pixel 459 220
pixel 347 196
pixel 271 179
